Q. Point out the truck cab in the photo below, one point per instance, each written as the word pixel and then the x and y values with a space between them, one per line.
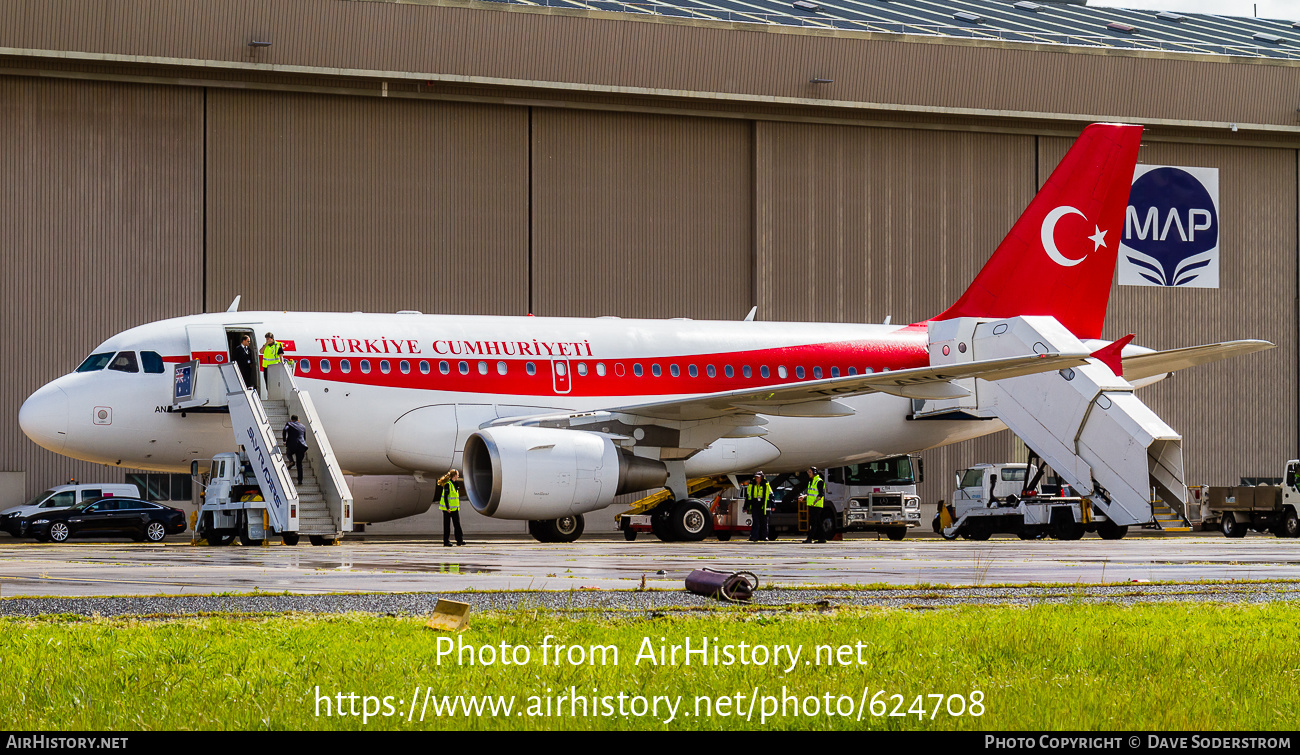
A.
pixel 878 496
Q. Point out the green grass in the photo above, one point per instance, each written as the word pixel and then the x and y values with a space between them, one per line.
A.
pixel 1200 666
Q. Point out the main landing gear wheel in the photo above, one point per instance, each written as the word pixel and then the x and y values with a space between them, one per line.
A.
pixel 566 529
pixel 691 521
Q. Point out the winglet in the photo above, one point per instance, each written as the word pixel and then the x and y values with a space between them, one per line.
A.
pixel 1111 355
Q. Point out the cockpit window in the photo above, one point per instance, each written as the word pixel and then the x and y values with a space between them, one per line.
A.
pixel 95 362
pixel 124 362
pixel 152 362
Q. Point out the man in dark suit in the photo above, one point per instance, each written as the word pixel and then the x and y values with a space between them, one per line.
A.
pixel 243 356
pixel 295 443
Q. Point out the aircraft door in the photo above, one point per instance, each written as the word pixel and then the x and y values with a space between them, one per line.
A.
pixel 208 343
pixel 560 375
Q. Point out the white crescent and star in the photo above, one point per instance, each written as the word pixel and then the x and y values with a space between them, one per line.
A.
pixel 1098 238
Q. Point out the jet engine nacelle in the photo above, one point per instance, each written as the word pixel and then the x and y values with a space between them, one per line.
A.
pixel 544 473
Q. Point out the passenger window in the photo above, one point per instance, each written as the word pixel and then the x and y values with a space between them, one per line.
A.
pixel 404 366
pixel 729 371
pixel 710 371
pixel 463 367
pixel 780 371
pixel 324 365
pixel 95 362
pixel 674 370
pixel 60 500
pixel 744 370
pixel 530 368
pixel 345 365
pixel 304 366
pixel 424 367
pixel 443 367
pixel 853 371
pixel 90 495
pixel 835 372
pixel 817 373
pixel 600 369
pixel 152 362
pixel 636 369
pixel 124 362
pixel 582 368
pixel 482 368
pixel 501 368
pixel 764 371
pixel 365 366
pixel 798 372
pixel 655 370
pixel 693 371
pixel 384 366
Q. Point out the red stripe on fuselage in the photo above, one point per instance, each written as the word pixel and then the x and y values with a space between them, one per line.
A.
pixel 901 349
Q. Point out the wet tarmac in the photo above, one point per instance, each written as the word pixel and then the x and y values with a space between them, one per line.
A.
pixel 392 565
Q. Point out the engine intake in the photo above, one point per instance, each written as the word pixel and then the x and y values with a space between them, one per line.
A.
pixel 544 473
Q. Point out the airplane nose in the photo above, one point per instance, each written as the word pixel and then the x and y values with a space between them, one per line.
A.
pixel 44 417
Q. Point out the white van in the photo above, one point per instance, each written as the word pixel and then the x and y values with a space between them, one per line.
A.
pixel 61 497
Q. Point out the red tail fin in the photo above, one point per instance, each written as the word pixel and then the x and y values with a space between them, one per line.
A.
pixel 1059 258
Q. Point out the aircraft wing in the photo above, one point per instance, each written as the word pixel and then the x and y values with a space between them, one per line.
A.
pixel 816 398
pixel 1160 362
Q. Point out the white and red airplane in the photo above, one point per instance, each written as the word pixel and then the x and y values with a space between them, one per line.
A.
pixel 552 417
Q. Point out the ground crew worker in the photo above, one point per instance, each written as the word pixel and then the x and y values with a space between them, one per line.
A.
pixel 272 353
pixel 758 497
pixel 449 502
pixel 815 499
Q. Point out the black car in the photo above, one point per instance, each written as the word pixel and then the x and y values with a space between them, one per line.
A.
pixel 106 517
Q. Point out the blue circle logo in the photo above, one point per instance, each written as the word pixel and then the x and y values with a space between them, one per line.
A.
pixel 1170 219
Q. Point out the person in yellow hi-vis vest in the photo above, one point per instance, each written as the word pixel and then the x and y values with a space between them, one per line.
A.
pixel 815 499
pixel 758 499
pixel 449 502
pixel 272 353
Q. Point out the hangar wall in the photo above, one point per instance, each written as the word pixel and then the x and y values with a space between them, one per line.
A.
pixel 101 229
pixel 148 201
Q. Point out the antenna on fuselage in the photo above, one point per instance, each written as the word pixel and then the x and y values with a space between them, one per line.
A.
pixel 234 305
pixel 752 311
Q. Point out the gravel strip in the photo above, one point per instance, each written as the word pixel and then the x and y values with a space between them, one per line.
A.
pixel 652 601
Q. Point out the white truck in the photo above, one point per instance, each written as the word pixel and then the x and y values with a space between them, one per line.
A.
pixel 1022 500
pixel 877 496
pixel 1264 508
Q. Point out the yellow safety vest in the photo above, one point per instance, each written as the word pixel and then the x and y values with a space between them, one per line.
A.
pixel 271 353
pixel 450 499
pixel 813 498
pixel 762 495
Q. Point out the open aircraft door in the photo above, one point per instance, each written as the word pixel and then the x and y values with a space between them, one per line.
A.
pixel 208 344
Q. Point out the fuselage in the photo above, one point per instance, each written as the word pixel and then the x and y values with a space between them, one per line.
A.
pixel 448 375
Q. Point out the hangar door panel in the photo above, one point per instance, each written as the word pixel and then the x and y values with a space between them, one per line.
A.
pixel 362 203
pixel 641 215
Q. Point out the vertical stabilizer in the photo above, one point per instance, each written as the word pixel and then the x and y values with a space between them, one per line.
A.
pixel 1059 258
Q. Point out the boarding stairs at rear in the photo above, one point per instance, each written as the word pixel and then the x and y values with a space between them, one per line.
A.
pixel 1167 519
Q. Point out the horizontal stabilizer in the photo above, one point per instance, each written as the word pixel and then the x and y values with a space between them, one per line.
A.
pixel 1160 362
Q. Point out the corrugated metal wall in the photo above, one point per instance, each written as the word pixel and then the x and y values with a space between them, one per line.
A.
pixel 346 203
pixel 641 216
pixel 101 218
pixel 655 53
pixel 856 224
pixel 1237 417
